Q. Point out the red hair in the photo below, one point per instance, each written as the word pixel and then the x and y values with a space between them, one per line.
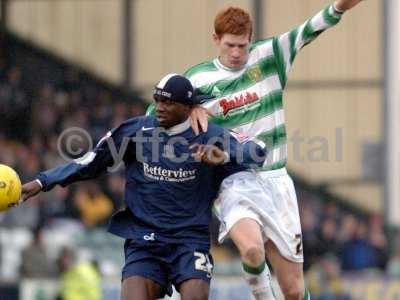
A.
pixel 233 20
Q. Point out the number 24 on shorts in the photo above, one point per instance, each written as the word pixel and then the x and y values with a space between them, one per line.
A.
pixel 203 263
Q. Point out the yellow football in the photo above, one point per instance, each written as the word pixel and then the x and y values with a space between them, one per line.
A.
pixel 10 187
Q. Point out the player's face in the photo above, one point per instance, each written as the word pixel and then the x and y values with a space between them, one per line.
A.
pixel 233 49
pixel 170 113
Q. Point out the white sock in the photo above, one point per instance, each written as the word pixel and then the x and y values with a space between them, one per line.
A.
pixel 259 281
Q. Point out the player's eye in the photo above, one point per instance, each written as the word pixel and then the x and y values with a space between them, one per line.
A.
pixel 161 99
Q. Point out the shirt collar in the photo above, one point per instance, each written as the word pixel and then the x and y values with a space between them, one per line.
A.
pixel 179 128
pixel 219 64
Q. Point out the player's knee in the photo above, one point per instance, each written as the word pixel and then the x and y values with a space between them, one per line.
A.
pixel 293 294
pixel 293 290
pixel 253 254
pixel 194 290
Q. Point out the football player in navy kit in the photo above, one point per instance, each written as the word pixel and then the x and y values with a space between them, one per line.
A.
pixel 172 177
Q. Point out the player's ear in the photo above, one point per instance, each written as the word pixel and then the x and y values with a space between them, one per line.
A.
pixel 216 39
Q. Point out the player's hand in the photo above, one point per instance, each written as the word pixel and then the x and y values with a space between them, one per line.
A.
pixel 344 5
pixel 30 190
pixel 199 116
pixel 208 154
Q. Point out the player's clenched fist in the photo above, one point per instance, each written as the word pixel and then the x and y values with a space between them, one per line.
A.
pixel 209 154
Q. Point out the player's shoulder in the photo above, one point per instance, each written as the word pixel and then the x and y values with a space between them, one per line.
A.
pixel 259 43
pixel 205 66
pixel 216 130
pixel 131 126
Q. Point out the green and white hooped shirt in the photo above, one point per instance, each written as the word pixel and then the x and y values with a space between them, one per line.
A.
pixel 249 100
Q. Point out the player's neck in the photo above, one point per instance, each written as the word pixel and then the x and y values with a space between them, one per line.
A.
pixel 223 66
pixel 178 128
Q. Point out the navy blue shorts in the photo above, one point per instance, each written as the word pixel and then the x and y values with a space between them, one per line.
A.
pixel 167 263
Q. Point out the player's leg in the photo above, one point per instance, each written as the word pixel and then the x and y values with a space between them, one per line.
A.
pixel 194 289
pixel 191 269
pixel 144 275
pixel 137 287
pixel 234 208
pixel 247 236
pixel 289 274
pixel 283 230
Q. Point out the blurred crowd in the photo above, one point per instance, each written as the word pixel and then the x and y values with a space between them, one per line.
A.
pixel 335 240
pixel 32 143
pixel 32 120
pixel 359 242
pixel 338 242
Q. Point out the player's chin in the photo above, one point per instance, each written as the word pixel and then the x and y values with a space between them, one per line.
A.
pixel 163 122
pixel 236 64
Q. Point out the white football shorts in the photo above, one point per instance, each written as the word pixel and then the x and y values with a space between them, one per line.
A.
pixel 267 197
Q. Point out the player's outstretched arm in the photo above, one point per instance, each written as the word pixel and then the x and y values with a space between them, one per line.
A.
pixel 107 154
pixel 343 5
pixel 90 166
pixel 288 45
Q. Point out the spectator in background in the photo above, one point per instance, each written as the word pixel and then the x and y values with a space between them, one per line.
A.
pixel 102 114
pixel 45 117
pixel 326 238
pixel 79 280
pixel 3 57
pixel 35 261
pixel 14 105
pixel 331 210
pixel 308 226
pixel 26 216
pixel 116 189
pixel 56 204
pixel 324 280
pixel 348 227
pixel 377 238
pixel 71 81
pixel 357 253
pixel 120 114
pixel 93 205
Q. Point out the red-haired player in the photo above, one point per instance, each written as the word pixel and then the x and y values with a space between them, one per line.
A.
pixel 259 210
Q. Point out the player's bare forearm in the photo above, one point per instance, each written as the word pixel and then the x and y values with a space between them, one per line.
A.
pixel 30 190
pixel 343 5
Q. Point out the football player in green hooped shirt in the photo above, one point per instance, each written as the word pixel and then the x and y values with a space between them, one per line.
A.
pixel 258 210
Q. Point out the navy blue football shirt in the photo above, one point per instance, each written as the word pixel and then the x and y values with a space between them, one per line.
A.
pixel 168 194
